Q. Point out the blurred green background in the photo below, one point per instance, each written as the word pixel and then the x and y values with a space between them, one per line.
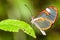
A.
pixel 24 10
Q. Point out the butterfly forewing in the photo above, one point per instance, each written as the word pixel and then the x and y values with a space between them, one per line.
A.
pixel 52 14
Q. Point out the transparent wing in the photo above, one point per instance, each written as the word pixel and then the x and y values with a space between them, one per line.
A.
pixel 47 20
pixel 43 24
pixel 52 14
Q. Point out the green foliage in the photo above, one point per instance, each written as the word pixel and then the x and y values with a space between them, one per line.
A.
pixel 3 14
pixel 21 9
pixel 12 25
pixel 53 35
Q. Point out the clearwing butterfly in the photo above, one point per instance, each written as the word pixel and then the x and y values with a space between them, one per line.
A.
pixel 45 19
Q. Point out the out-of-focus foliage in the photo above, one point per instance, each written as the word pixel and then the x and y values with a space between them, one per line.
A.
pixel 6 35
pixel 21 9
pixel 53 35
pixel 3 14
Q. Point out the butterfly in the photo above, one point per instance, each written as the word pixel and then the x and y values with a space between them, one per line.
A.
pixel 45 18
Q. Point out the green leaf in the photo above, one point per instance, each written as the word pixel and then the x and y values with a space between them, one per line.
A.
pixel 27 29
pixel 13 25
pixel 10 25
